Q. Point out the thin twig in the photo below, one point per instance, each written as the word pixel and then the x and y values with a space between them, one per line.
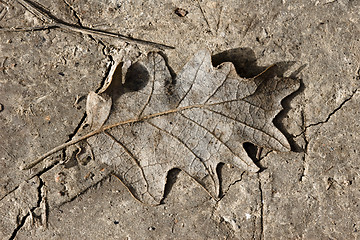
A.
pixel 48 17
pixel 27 29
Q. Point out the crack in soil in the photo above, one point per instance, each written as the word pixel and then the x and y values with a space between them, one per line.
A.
pixel 85 190
pixel 22 221
pixel 265 155
pixel 334 111
pixel 38 174
pixel 232 184
pixel 261 209
pixel 305 147
pixel 111 63
pixel 11 191
pixel 77 128
pixel 224 194
pixel 303 132
pixel 302 175
pixel 329 116
pixel 75 14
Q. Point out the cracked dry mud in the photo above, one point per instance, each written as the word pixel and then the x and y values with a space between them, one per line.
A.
pixel 45 76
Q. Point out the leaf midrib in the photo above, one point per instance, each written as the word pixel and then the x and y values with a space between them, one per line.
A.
pixel 110 126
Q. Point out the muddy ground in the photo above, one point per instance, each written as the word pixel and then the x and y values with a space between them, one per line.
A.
pixel 46 73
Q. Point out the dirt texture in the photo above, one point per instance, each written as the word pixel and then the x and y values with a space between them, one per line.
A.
pixel 47 70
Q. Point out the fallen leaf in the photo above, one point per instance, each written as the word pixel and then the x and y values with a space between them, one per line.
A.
pixel 192 123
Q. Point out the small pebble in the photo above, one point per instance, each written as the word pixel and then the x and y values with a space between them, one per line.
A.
pixel 181 12
pixel 1 107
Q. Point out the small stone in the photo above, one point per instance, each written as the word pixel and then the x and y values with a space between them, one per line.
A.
pixel 60 177
pixel 181 12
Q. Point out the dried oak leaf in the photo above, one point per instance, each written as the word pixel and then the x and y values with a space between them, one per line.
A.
pixel 192 123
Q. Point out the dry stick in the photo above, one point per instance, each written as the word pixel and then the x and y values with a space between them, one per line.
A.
pixel 28 29
pixel 90 31
pixel 46 16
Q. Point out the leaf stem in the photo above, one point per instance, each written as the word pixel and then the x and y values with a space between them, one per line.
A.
pixel 100 130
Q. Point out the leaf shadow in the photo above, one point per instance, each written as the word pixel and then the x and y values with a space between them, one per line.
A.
pixel 244 61
pixel 219 172
pixel 135 79
pixel 170 83
pixel 171 179
pixel 278 70
pixel 282 115
pixel 166 59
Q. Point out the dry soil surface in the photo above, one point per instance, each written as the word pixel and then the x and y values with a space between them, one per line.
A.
pixel 46 72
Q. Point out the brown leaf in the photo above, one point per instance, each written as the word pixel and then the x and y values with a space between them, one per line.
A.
pixel 193 123
pixel 204 120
